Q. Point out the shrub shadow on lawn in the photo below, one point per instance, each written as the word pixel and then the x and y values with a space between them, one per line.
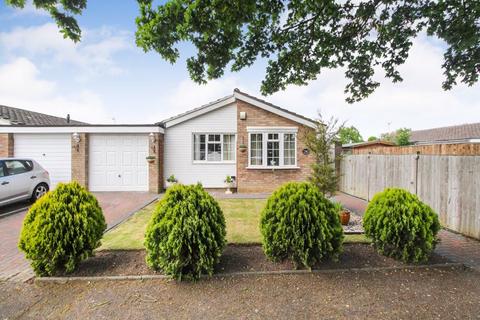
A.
pixel 238 258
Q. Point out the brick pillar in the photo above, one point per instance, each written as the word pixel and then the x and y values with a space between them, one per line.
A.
pixel 80 160
pixel 6 145
pixel 155 169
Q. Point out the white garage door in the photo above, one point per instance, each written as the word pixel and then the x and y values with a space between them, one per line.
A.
pixel 52 151
pixel 117 162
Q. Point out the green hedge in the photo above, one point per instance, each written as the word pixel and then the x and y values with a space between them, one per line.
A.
pixel 61 229
pixel 401 226
pixel 300 224
pixel 186 234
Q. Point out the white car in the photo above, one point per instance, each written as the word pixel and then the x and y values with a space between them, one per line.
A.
pixel 22 179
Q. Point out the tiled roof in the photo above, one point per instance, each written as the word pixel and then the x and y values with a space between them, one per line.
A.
pixel 18 116
pixel 459 132
pixel 368 144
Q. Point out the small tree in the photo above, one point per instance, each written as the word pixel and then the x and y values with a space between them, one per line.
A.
pixel 372 138
pixel 321 143
pixel 349 135
pixel 402 137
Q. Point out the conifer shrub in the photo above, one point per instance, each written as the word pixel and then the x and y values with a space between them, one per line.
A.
pixel 61 229
pixel 401 226
pixel 186 234
pixel 298 223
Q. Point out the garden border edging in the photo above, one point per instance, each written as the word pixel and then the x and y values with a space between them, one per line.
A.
pixel 450 265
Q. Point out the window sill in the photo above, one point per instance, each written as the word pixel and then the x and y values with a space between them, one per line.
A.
pixel 214 162
pixel 273 168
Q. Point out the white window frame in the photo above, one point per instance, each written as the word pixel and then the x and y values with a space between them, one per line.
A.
pixel 276 130
pixel 221 148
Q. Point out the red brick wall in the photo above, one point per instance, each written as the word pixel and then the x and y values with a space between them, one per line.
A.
pixel 80 160
pixel 155 169
pixel 267 180
pixel 6 145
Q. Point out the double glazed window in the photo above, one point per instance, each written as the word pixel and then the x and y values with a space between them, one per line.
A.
pixel 272 149
pixel 213 147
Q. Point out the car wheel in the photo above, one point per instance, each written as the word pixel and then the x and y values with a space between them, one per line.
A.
pixel 39 191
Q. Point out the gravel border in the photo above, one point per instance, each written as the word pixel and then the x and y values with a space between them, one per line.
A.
pixel 60 280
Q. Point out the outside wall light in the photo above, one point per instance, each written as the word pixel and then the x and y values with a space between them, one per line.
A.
pixel 76 140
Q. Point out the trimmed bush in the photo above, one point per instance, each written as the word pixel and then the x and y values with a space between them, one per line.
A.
pixel 401 226
pixel 186 234
pixel 61 229
pixel 300 224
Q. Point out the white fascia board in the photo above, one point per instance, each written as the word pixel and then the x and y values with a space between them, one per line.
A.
pixel 273 129
pixel 199 112
pixel 83 129
pixel 271 109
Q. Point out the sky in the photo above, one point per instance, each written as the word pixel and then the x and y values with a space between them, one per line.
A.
pixel 106 79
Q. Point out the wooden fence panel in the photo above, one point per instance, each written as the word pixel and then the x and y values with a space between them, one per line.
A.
pixel 449 184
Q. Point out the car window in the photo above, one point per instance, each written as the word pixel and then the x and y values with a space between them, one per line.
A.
pixel 2 170
pixel 17 166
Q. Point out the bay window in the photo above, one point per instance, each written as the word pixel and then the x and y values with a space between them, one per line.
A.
pixel 271 148
pixel 213 147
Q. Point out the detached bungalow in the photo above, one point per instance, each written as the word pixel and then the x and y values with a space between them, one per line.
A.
pixel 241 136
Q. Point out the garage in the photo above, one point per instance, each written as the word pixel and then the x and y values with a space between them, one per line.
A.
pixel 52 151
pixel 117 162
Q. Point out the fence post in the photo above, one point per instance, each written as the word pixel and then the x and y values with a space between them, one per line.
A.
pixel 368 175
pixel 417 157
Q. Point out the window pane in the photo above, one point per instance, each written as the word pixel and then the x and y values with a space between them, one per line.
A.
pixel 214 152
pixel 256 145
pixel 289 151
pixel 213 138
pixel 2 173
pixel 273 153
pixel 228 147
pixel 199 147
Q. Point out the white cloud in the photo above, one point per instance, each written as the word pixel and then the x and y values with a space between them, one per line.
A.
pixel 94 55
pixel 188 95
pixel 21 86
pixel 28 9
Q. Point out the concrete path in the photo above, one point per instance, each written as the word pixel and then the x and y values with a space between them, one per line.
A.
pixel 117 206
pixel 454 246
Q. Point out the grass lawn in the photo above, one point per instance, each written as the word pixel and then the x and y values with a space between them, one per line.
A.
pixel 242 217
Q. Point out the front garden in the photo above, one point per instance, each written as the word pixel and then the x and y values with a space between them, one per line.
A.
pixel 242 218
pixel 188 234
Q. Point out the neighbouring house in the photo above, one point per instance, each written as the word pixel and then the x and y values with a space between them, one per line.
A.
pixel 464 133
pixel 256 142
pixel 358 146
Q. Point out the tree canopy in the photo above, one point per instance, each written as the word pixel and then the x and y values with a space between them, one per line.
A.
pixel 300 39
pixel 62 11
pixel 400 137
pixel 349 135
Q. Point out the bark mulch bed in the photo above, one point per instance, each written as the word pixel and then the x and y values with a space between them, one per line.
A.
pixel 236 258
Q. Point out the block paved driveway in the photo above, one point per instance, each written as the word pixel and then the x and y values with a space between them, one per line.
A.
pixel 117 206
pixel 454 246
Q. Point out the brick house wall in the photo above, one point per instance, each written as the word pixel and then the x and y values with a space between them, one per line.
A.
pixel 80 160
pixel 267 180
pixel 155 169
pixel 6 145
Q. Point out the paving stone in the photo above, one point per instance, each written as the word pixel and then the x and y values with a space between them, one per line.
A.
pixel 116 206
pixel 453 246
